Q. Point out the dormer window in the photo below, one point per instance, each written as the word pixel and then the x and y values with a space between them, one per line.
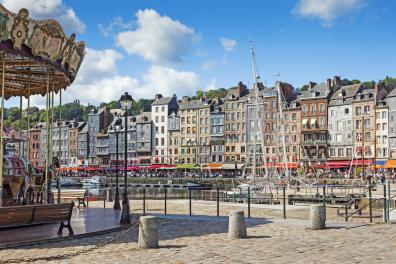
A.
pixel 313 94
pixel 340 101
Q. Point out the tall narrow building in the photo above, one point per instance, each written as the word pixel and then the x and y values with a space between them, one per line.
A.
pixel 160 110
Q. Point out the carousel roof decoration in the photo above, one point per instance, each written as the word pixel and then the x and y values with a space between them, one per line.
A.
pixel 36 50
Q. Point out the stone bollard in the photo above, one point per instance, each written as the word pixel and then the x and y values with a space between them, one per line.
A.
pixel 148 236
pixel 317 216
pixel 236 225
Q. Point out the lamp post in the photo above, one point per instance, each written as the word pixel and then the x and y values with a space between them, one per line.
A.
pixel 117 128
pixel 126 104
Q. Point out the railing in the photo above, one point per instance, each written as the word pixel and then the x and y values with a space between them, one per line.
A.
pixel 386 205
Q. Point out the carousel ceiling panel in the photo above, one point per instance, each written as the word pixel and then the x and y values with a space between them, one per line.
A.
pixel 36 54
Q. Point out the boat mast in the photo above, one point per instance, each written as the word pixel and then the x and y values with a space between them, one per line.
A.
pixel 257 115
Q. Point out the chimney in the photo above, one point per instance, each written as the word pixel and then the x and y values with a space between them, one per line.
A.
pixel 311 85
pixel 337 81
pixel 328 85
pixel 158 96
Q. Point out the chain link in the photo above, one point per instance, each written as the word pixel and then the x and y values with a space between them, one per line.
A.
pixel 74 254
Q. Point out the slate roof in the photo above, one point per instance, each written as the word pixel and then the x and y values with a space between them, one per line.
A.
pixel 193 104
pixel 392 93
pixel 319 88
pixel 349 92
pixel 162 101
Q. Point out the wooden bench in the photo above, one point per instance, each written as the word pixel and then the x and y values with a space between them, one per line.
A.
pixel 78 195
pixel 37 214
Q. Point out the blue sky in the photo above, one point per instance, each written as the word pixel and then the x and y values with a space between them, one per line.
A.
pixel 167 46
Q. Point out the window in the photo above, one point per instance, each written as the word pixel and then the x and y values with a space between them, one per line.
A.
pixel 367 109
pixel 384 114
pixel 384 126
pixel 340 152
pixel 332 152
pixel 313 108
pixel 346 110
pixel 156 109
pixel 162 118
pixel 358 110
pixel 332 113
pixel 322 108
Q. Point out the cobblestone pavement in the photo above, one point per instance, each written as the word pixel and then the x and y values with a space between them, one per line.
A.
pixel 199 207
pixel 204 240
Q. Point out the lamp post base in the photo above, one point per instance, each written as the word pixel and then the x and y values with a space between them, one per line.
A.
pixel 125 211
pixel 117 205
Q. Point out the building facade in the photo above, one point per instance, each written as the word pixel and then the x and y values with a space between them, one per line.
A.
pixel 340 125
pixel 382 131
pixel 217 131
pixel 174 137
pixel 235 124
pixel 314 133
pixel 391 102
pixel 161 109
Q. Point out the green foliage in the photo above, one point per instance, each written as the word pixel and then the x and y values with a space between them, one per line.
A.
pixel 389 81
pixel 368 85
pixel 218 93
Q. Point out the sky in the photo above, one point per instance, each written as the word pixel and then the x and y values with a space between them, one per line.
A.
pixel 146 47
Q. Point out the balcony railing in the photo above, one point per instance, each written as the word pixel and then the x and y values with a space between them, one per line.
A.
pixel 313 142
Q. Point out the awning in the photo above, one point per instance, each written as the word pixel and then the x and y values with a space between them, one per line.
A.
pixel 305 122
pixel 313 122
pixel 185 166
pixel 231 166
pixel 212 166
pixel 390 164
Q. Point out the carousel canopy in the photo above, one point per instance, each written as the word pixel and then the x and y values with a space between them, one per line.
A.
pixel 37 53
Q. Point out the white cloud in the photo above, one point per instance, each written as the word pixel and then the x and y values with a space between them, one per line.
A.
pixel 158 39
pixel 208 65
pixel 98 64
pixel 211 85
pixel 44 9
pixel 326 10
pixel 117 23
pixel 228 44
pixel 99 81
pixel 167 81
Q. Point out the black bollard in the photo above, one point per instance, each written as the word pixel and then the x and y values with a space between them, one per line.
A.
pixel 284 202
pixel 324 199
pixel 165 201
pixel 189 197
pixel 218 202
pixel 385 213
pixel 248 202
pixel 144 201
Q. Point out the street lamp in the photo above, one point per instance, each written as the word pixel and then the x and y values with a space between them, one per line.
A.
pixel 117 128
pixel 126 104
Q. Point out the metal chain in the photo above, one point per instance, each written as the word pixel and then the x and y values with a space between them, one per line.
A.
pixel 77 253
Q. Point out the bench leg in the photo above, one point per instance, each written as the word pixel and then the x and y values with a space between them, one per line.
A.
pixel 71 232
pixel 61 228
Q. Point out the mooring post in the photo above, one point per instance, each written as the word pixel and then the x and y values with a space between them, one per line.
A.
pixel 218 202
pixel 148 234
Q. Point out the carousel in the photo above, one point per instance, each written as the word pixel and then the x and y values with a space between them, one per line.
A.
pixel 36 58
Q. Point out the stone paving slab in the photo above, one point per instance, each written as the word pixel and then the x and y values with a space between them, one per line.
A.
pixel 203 239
